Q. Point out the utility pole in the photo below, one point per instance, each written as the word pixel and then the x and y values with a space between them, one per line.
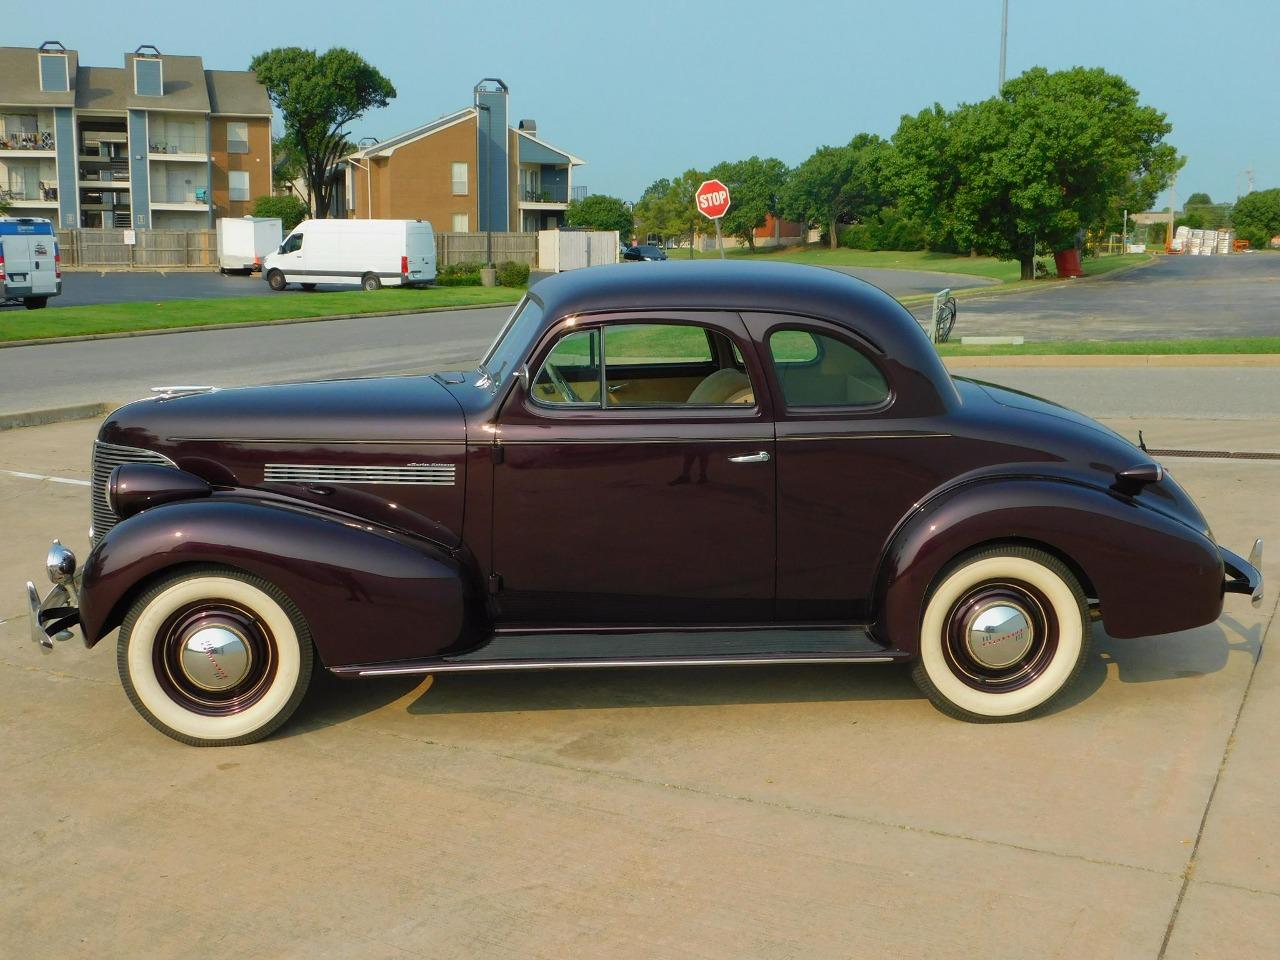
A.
pixel 1004 41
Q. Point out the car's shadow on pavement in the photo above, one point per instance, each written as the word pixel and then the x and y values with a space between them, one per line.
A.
pixel 332 701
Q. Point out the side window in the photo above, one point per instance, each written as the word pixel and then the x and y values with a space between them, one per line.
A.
pixel 670 364
pixel 293 243
pixel 815 370
pixel 571 373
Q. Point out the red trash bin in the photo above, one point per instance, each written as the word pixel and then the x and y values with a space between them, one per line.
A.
pixel 1067 263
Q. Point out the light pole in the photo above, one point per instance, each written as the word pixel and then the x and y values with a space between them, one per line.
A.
pixel 1004 41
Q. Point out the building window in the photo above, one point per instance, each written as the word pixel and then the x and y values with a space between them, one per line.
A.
pixel 238 184
pixel 460 179
pixel 148 76
pixel 53 72
pixel 237 137
pixel 462 223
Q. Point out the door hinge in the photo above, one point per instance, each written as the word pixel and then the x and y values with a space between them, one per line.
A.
pixel 499 454
pixel 495 584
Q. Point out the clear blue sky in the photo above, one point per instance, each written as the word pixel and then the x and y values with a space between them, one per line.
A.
pixel 649 88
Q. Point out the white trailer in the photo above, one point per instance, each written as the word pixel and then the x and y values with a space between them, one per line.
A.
pixel 30 262
pixel 244 242
pixel 365 253
pixel 571 249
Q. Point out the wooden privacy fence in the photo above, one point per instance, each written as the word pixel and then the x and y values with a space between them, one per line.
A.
pixel 471 248
pixel 150 249
pixel 157 249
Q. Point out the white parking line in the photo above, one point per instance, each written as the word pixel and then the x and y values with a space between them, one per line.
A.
pixel 41 476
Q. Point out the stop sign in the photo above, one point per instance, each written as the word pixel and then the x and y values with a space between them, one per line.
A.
pixel 712 199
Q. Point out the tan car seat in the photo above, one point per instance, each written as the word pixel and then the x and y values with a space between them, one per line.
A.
pixel 724 386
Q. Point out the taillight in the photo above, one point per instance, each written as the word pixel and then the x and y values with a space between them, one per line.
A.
pixel 404 266
pixel 57 263
pixel 1 266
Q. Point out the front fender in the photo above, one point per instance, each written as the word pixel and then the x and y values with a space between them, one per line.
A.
pixel 1150 573
pixel 367 594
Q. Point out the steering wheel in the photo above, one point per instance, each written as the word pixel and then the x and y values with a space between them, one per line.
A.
pixel 560 383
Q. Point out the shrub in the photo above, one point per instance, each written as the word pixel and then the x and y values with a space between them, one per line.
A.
pixel 886 230
pixel 459 275
pixel 513 274
pixel 290 209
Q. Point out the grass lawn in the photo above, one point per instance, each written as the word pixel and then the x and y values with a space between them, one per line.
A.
pixel 19 324
pixel 1005 271
pixel 1114 347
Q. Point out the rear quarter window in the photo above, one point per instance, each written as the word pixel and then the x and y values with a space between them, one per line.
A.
pixel 816 370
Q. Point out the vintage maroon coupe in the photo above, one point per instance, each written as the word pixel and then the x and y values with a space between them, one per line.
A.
pixel 701 464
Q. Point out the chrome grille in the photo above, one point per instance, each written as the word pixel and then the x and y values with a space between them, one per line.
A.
pixel 106 457
pixel 416 474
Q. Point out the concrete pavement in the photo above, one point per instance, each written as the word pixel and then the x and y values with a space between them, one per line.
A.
pixel 791 812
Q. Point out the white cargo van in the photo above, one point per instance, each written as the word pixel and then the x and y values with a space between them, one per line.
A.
pixel 30 264
pixel 244 242
pixel 368 253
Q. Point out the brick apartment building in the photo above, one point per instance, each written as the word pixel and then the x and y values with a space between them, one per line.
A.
pixel 159 143
pixel 465 172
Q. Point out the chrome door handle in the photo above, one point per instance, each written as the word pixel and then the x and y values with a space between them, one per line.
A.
pixel 759 456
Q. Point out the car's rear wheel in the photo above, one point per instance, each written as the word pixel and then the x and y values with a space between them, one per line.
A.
pixel 215 657
pixel 1005 631
pixel 35 303
pixel 370 281
pixel 276 280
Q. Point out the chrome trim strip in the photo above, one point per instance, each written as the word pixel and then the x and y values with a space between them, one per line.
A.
pixel 867 436
pixel 314 440
pixel 618 441
pixel 459 666
pixel 417 474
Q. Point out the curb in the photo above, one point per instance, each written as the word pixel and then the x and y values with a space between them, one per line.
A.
pixel 1095 361
pixel 122 334
pixel 38 418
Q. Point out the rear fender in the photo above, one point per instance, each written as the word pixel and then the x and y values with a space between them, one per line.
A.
pixel 1150 573
pixel 367 594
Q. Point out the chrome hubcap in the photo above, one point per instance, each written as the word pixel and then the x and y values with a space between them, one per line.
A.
pixel 999 634
pixel 215 658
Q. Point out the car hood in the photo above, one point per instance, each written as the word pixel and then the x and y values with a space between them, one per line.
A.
pixel 381 409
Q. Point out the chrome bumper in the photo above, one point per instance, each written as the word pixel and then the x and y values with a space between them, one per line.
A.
pixel 53 617
pixel 1244 576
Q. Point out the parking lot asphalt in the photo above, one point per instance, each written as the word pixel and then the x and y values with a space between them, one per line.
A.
pixel 806 812
pixel 1173 298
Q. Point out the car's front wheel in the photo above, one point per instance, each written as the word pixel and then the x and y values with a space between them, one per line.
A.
pixel 215 657
pixel 276 280
pixel 1005 631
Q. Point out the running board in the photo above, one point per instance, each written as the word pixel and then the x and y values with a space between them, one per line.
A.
pixel 694 648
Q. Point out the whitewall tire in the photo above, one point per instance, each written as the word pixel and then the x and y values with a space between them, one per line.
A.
pixel 1005 631
pixel 215 657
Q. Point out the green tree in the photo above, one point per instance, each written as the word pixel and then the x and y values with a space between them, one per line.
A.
pixel 755 185
pixel 1198 200
pixel 318 95
pixel 1030 169
pixel 601 212
pixel 287 163
pixel 1257 217
pixel 815 191
pixel 667 209
pixel 290 208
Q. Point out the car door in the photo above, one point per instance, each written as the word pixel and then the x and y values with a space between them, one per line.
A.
pixel 849 467
pixel 634 481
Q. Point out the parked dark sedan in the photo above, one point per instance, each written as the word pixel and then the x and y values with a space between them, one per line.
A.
pixel 645 251
pixel 719 464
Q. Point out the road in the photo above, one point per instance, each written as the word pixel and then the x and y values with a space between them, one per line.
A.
pixel 1175 297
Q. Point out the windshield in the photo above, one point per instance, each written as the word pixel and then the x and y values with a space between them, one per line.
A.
pixel 512 343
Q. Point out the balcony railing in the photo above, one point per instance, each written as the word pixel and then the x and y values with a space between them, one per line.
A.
pixel 579 193
pixel 183 194
pixel 179 143
pixel 39 140
pixel 545 194
pixel 42 192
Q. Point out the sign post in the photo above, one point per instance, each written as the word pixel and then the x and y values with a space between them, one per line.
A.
pixel 712 199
